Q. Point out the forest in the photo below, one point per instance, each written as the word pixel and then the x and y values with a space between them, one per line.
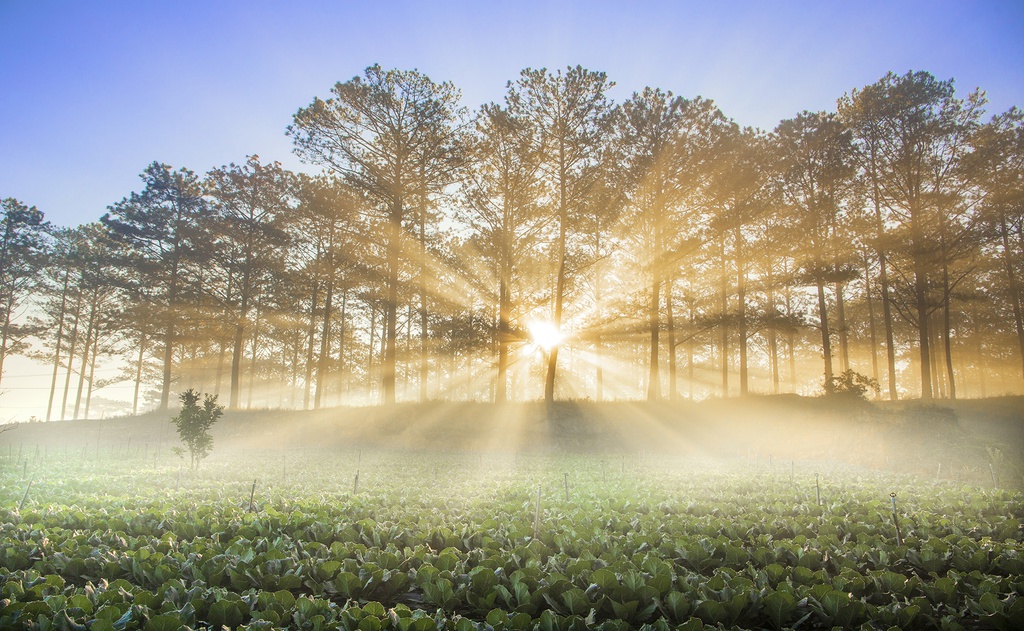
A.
pixel 558 245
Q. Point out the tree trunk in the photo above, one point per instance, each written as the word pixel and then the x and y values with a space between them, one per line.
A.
pixel 563 219
pixel 71 358
pixel 60 339
pixel 325 336
pixel 1011 280
pixel 947 332
pixel 169 336
pixel 883 280
pixel 92 374
pixel 5 333
pixel 391 315
pixel 725 326
pixel 773 335
pixel 138 373
pixel 314 298
pixel 342 367
pixel 673 388
pixel 424 319
pixel 872 327
pixel 654 322
pixel 504 335
pixel 921 294
pixel 826 342
pixel 89 333
pixel 599 307
pixel 252 361
pixel 844 343
pixel 741 310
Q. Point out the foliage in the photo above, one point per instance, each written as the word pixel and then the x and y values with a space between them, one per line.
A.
pixel 654 216
pixel 194 422
pixel 446 542
pixel 850 384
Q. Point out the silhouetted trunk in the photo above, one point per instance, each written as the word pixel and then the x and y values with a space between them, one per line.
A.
pixel 599 306
pixel 92 374
pixel 741 310
pixel 424 330
pixel 826 341
pixel 923 334
pixel 787 295
pixel 689 357
pixel 252 361
pixel 370 347
pixel 883 280
pixel 724 297
pixel 504 336
pixel 170 332
pixel 342 366
pixel 773 336
pixel 670 330
pixel 138 373
pixel 60 339
pixel 560 246
pixel 938 382
pixel 947 333
pixel 844 344
pixel 653 378
pixel 311 335
pixel 325 336
pixel 239 341
pixel 72 349
pixel 391 307
pixel 1011 279
pixel 872 332
pixel 86 348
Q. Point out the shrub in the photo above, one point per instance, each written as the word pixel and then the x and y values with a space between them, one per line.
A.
pixel 850 384
pixel 194 422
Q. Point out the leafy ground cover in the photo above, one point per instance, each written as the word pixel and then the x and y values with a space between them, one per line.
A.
pixel 347 539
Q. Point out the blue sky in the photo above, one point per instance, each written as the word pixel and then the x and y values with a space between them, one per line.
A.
pixel 94 91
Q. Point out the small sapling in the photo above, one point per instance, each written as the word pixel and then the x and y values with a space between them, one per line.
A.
pixel 193 423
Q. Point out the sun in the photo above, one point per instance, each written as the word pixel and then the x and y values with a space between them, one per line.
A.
pixel 544 334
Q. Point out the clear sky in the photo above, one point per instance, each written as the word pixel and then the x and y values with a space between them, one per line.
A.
pixel 94 91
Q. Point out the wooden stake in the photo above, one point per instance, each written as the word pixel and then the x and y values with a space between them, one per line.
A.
pixel 355 486
pixel 896 521
pixel 817 488
pixel 566 487
pixel 252 494
pixel 25 496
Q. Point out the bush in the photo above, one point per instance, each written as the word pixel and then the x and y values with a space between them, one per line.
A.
pixel 850 384
pixel 194 422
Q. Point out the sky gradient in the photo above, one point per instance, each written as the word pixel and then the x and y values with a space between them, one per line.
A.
pixel 95 91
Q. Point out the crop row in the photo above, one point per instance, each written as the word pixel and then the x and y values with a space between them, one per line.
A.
pixel 431 542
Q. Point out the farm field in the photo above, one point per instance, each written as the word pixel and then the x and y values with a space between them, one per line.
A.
pixel 122 538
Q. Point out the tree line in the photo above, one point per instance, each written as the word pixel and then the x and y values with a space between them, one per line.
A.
pixel 678 254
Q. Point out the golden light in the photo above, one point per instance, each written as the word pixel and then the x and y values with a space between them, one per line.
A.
pixel 544 334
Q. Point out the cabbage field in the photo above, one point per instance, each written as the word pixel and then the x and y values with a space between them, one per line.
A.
pixel 377 539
